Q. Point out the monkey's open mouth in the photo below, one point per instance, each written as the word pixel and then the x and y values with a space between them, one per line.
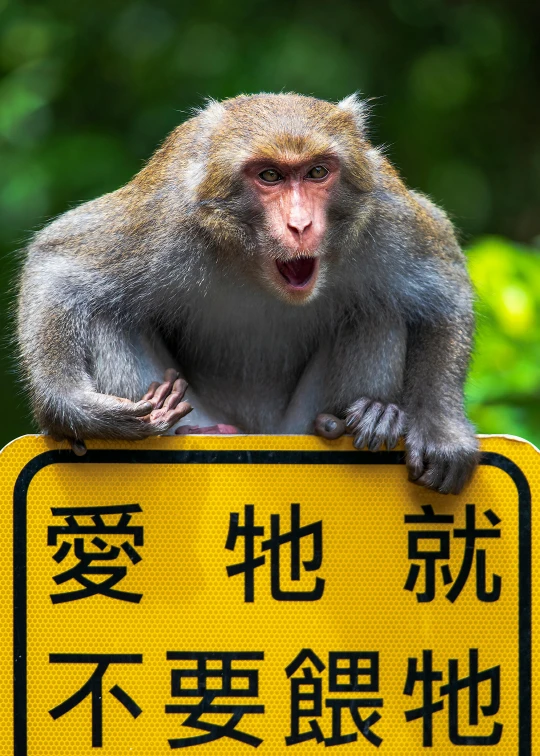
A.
pixel 298 271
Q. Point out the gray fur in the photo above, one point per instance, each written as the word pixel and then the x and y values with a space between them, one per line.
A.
pixel 119 289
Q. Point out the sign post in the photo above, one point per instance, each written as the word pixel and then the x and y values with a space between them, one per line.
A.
pixel 285 594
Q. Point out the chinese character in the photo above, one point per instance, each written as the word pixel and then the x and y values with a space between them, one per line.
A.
pixel 91 562
pixel 346 674
pixel 214 677
pixel 470 533
pixel 306 698
pixel 346 666
pixel 472 684
pixel 93 688
pixel 249 531
pixel 427 676
pixel 431 546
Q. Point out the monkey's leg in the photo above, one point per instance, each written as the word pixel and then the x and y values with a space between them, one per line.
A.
pixel 309 395
pixel 442 450
pixel 365 379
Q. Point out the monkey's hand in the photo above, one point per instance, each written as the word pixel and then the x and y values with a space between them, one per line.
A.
pixel 94 415
pixel 442 458
pixel 165 401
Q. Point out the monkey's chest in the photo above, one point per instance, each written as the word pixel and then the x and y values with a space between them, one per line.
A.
pixel 243 387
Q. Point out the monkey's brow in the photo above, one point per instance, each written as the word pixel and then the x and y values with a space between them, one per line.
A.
pixel 291 162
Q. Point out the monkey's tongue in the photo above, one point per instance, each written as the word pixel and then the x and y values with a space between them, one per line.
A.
pixel 297 272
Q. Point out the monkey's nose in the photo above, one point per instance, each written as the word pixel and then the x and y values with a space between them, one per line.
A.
pixel 299 226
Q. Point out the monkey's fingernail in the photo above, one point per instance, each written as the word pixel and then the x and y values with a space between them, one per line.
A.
pixel 330 426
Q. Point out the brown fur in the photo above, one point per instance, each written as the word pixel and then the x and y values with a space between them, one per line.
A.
pixel 166 271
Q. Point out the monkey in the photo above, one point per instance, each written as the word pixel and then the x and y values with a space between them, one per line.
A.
pixel 266 271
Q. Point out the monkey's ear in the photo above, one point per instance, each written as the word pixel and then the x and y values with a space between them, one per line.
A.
pixel 358 108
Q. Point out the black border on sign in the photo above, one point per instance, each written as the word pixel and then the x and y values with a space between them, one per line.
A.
pixel 127 456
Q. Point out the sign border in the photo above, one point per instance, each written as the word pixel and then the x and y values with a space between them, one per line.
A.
pixel 151 456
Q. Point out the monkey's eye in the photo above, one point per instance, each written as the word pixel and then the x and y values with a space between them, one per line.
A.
pixel 319 172
pixel 270 176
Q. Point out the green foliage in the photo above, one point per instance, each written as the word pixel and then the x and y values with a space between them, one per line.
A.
pixel 89 89
pixel 503 389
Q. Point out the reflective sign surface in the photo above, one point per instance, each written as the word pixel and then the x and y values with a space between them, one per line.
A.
pixel 284 594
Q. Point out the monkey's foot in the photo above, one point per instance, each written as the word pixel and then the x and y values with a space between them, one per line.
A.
pixel 207 430
pixel 373 424
pixel 329 426
pixel 444 465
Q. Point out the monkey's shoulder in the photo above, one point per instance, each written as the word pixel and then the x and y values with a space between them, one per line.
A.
pixel 99 232
pixel 73 229
pixel 412 222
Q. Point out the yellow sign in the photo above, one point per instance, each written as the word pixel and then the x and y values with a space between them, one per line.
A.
pixel 285 594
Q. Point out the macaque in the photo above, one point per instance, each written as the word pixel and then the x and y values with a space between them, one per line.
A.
pixel 267 271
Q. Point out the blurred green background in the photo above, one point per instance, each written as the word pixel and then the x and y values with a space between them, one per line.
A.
pixel 89 89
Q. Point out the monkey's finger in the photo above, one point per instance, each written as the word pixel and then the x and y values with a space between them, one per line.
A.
pixel 180 385
pixel 415 462
pixel 78 447
pixel 458 475
pixel 161 394
pixel 329 426
pixel 151 390
pixel 120 406
pixel 139 409
pixel 356 413
pixel 171 374
pixel 434 475
pixel 396 430
pixel 366 428
pixel 165 388
pixel 176 414
pixel 173 399
pixel 162 420
pixel 385 429
pixel 163 414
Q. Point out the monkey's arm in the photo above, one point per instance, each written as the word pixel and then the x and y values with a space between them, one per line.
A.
pixel 77 356
pixel 442 450
pixel 392 376
pixel 384 391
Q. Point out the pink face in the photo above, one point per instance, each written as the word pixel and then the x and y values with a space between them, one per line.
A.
pixel 295 198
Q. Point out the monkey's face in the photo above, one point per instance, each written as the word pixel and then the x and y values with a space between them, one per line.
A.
pixel 279 188
pixel 294 198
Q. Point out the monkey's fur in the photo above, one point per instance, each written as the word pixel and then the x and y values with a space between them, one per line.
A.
pixel 165 273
